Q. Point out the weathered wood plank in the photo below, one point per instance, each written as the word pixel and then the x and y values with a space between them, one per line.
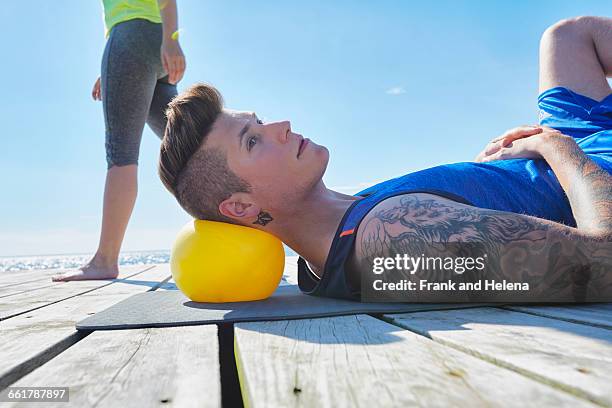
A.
pixel 569 356
pixel 26 287
pixel 362 361
pixel 20 280
pixel 17 278
pixel 9 277
pixel 9 291
pixel 175 366
pixel 30 338
pixel 58 291
pixel 599 315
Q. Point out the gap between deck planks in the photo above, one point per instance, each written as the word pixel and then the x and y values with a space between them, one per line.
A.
pixel 58 291
pixel 362 361
pixel 23 284
pixel 574 357
pixel 29 287
pixel 30 338
pixel 597 314
pixel 12 278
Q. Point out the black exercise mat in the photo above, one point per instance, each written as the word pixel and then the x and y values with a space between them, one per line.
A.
pixel 172 308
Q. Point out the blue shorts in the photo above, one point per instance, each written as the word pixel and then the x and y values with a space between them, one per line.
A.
pixel 585 119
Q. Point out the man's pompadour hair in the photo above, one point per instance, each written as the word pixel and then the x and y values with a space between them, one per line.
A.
pixel 198 177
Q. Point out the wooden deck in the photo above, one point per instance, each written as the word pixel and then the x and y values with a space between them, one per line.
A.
pixel 486 356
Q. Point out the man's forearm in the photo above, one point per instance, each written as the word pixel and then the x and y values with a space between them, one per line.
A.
pixel 169 16
pixel 587 186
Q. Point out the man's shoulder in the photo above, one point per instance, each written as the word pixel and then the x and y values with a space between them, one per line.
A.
pixel 391 225
pixel 392 217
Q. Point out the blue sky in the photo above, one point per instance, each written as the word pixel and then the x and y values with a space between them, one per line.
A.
pixel 388 86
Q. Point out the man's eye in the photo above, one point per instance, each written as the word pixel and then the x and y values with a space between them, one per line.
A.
pixel 251 142
pixel 259 121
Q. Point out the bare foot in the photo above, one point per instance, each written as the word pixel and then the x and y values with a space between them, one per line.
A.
pixel 94 269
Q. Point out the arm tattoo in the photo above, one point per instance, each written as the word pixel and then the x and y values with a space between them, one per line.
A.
pixel 590 193
pixel 558 263
pixel 588 187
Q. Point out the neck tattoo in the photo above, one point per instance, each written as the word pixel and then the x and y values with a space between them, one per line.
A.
pixel 263 218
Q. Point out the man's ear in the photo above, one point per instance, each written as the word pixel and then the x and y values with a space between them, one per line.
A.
pixel 239 207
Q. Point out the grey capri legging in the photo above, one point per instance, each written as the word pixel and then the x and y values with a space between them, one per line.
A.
pixel 135 88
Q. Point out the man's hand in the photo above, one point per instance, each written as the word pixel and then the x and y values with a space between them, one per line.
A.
pixel 524 142
pixel 95 92
pixel 173 60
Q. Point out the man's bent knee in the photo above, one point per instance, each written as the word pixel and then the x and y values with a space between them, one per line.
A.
pixel 575 27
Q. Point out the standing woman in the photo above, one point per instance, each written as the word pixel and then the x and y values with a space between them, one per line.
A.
pixel 141 65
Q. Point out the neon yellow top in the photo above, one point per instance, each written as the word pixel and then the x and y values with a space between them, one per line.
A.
pixel 116 11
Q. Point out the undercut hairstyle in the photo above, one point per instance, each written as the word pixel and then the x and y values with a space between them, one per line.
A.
pixel 197 176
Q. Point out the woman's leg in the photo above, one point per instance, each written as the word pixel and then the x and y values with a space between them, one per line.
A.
pixel 130 68
pixel 121 189
pixel 120 193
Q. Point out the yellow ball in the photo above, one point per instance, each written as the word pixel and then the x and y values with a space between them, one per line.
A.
pixel 218 262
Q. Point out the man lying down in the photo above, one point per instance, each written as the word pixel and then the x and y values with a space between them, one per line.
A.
pixel 538 199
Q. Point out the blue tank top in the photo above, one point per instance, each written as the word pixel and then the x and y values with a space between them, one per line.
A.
pixel 520 186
